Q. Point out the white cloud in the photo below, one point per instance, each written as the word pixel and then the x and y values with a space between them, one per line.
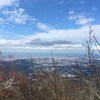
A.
pixel 43 26
pixel 71 12
pixel 61 2
pixel 97 48
pixel 22 47
pixel 9 42
pixel 6 3
pixel 2 20
pixel 54 47
pixel 80 19
pixel 94 8
pixel 83 20
pixel 76 36
pixel 17 16
pixel 82 2
pixel 58 38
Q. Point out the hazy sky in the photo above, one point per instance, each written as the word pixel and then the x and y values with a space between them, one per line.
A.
pixel 45 25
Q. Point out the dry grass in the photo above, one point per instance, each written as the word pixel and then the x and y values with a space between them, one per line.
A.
pixel 46 86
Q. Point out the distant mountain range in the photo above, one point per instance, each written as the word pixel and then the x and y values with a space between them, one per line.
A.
pixel 64 65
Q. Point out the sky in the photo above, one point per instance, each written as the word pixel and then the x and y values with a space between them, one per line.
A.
pixel 40 26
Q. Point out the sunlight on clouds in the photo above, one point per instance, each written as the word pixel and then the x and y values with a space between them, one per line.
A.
pixel 61 2
pixel 97 48
pixel 53 39
pixel 29 25
pixel 43 26
pixel 17 16
pixel 94 8
pixel 80 19
pixel 5 3
pixel 83 20
pixel 82 2
pixel 54 47
pixel 57 38
pixel 2 20
pixel 9 42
